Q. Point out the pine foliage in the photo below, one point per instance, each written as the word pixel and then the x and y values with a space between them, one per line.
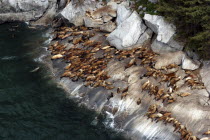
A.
pixel 192 19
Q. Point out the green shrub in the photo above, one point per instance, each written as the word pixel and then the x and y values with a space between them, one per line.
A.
pixel 150 8
pixel 191 17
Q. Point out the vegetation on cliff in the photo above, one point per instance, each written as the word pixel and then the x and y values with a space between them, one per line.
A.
pixel 192 20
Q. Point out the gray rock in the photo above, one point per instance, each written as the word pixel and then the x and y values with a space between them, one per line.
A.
pixel 205 75
pixel 47 18
pixel 128 32
pixel 160 48
pixel 75 13
pixel 147 35
pixel 169 58
pixel 62 4
pixel 189 64
pixel 175 44
pixel 89 22
pixel 192 55
pixel 108 27
pixel 164 30
pixel 122 14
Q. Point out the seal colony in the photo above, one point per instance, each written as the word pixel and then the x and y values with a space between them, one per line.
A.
pixel 124 82
pixel 88 59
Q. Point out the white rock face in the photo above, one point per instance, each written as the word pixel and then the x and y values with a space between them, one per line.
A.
pixel 128 32
pixel 122 13
pixel 75 13
pixel 23 10
pixel 165 34
pixel 163 29
pixel 189 64
pixel 27 5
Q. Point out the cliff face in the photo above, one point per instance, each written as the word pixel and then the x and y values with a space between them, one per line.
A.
pixel 24 10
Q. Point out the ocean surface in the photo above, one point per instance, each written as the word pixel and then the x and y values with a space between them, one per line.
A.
pixel 32 106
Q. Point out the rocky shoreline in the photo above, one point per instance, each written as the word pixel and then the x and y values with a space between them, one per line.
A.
pixel 115 62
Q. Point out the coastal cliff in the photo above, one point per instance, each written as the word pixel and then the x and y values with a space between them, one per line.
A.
pixel 136 55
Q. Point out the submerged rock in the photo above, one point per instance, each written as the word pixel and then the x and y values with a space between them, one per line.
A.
pixel 128 32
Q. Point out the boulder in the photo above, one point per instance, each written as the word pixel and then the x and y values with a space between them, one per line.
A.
pixel 108 27
pixel 47 18
pixel 89 22
pixel 189 64
pixel 128 32
pixel 74 12
pixel 169 58
pixel 164 30
pixel 160 48
pixel 165 34
pixel 205 72
pixel 122 14
pixel 147 35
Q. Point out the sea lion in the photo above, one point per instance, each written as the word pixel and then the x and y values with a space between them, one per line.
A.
pixel 207 133
pixel 155 116
pixel 185 94
pixel 146 85
pixel 58 56
pixel 138 101
pixel 131 63
pixel 124 95
pixel 110 96
pixel 35 70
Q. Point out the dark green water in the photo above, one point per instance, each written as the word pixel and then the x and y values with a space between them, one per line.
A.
pixel 32 107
